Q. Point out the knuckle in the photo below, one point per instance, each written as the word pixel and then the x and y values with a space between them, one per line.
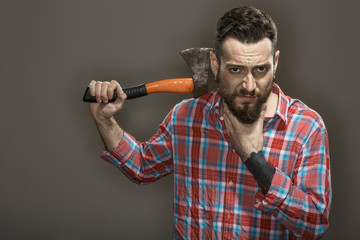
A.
pixel 98 83
pixel 103 94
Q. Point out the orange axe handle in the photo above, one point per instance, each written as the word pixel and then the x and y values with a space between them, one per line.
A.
pixel 175 85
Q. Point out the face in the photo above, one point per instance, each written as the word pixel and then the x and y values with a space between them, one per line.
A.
pixel 245 76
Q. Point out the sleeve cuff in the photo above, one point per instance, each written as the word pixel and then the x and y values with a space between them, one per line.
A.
pixel 279 189
pixel 121 153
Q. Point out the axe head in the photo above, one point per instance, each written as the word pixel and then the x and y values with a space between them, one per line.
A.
pixel 198 59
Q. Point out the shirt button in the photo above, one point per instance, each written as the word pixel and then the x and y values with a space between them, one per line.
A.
pixel 222 118
pixel 231 183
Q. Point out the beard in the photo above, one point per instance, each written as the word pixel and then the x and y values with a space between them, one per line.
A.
pixel 247 113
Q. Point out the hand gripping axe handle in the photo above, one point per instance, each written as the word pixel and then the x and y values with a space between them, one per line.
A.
pixel 199 62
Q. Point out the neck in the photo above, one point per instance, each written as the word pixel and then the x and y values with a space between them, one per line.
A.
pixel 272 104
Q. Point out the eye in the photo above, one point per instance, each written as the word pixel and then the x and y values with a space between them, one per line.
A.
pixel 234 70
pixel 261 69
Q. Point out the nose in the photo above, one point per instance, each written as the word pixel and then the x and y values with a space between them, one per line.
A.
pixel 249 82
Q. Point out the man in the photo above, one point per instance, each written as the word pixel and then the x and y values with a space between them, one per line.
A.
pixel 249 162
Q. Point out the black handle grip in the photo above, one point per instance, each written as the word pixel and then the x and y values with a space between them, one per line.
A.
pixel 135 92
pixel 131 92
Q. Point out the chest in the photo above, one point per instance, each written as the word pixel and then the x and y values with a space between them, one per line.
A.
pixel 202 149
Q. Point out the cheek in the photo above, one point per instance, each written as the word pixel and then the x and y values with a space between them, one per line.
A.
pixel 264 86
pixel 230 85
pixel 264 82
pixel 227 87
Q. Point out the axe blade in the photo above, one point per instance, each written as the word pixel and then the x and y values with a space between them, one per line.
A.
pixel 198 59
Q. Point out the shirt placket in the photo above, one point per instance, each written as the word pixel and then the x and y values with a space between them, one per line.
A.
pixel 229 191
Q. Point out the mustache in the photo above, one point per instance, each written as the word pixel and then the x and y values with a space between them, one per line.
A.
pixel 246 92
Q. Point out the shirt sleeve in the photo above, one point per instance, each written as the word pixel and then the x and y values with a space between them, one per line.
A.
pixel 302 202
pixel 144 162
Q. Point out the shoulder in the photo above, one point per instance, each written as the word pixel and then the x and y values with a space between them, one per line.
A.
pixel 192 106
pixel 304 118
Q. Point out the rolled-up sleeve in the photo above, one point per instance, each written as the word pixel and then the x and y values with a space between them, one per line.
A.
pixel 144 162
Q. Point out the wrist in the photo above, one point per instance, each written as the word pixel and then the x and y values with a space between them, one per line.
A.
pixel 261 169
pixel 110 131
pixel 245 156
pixel 105 121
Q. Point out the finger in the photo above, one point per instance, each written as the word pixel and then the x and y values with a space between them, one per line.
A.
pixel 112 87
pixel 121 96
pixel 228 125
pixel 98 91
pixel 104 92
pixel 225 109
pixel 92 87
pixel 229 115
pixel 229 119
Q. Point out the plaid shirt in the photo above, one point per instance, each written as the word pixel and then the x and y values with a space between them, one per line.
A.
pixel 215 196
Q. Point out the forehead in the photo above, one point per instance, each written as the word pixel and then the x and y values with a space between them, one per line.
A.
pixel 238 53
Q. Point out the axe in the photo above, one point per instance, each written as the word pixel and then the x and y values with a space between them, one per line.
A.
pixel 197 59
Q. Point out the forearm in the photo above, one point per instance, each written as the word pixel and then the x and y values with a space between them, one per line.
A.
pixel 110 132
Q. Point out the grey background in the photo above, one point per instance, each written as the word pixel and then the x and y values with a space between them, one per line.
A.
pixel 53 184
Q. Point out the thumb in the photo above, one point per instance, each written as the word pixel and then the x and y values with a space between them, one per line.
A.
pixel 121 96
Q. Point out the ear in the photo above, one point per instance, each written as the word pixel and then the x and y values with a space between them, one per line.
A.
pixel 276 60
pixel 214 63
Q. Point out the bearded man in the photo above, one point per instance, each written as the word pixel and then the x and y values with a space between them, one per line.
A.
pixel 249 162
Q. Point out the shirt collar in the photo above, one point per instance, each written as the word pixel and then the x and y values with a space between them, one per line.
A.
pixel 283 103
pixel 214 101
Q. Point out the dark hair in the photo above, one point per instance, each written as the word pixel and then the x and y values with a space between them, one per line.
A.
pixel 247 24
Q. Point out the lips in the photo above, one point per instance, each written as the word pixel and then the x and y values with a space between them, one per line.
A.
pixel 247 98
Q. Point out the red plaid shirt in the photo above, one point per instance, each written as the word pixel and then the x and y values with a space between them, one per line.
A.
pixel 215 196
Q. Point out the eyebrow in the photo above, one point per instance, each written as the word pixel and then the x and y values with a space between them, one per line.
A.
pixel 231 65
